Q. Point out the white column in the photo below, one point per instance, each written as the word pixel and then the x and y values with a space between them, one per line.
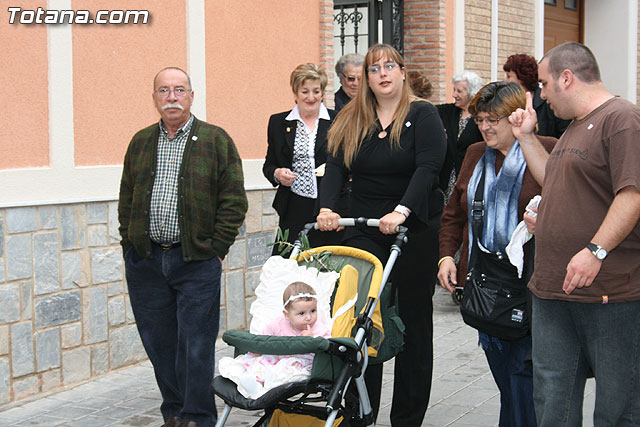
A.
pixel 538 47
pixel 494 40
pixel 459 39
pixel 60 58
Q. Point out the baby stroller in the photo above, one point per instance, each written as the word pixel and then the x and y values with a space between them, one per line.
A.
pixel 366 329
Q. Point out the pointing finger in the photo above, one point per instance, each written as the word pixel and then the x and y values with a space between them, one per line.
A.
pixel 529 103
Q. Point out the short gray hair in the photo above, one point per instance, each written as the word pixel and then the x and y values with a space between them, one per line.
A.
pixel 474 81
pixel 354 59
pixel 172 68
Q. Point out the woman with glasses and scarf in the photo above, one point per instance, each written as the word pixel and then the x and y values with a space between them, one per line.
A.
pixel 393 144
pixel 508 188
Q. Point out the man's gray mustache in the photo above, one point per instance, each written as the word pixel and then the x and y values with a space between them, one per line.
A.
pixel 164 107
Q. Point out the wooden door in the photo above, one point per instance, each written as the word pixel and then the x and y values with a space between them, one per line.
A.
pixel 563 22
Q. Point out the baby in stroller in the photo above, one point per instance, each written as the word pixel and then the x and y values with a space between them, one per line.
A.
pixel 300 310
pixel 255 374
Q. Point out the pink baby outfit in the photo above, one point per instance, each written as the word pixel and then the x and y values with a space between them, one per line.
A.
pixel 281 327
pixel 255 374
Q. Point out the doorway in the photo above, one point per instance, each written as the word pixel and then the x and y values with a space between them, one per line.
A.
pixel 563 22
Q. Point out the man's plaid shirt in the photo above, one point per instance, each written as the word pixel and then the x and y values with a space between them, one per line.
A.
pixel 163 221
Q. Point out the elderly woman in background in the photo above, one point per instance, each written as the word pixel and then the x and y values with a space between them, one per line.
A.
pixel 523 69
pixel 349 71
pixel 508 187
pixel 460 128
pixel 393 144
pixel 297 146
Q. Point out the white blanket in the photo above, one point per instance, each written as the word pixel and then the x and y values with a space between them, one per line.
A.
pixel 256 374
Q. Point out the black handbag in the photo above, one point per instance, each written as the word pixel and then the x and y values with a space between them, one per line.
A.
pixel 495 300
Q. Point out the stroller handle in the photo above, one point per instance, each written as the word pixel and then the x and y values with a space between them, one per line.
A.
pixel 401 236
pixel 355 222
pixel 361 223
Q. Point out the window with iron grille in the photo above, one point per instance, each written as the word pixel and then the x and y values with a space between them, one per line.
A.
pixel 359 24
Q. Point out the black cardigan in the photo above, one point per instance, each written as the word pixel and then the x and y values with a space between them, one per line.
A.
pixel 456 148
pixel 281 135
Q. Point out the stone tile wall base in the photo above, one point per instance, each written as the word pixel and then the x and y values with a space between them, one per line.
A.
pixel 65 314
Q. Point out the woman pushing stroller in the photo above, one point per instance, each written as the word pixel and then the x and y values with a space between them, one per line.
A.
pixel 393 145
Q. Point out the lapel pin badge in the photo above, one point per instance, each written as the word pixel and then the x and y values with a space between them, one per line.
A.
pixel 194 138
pixel 407 124
pixel 288 129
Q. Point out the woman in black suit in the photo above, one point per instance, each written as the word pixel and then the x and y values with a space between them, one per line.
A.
pixel 393 144
pixel 297 147
pixel 459 126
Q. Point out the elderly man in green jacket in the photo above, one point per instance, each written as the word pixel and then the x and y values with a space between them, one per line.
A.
pixel 182 200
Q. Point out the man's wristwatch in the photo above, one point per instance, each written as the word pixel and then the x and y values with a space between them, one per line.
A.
pixel 597 251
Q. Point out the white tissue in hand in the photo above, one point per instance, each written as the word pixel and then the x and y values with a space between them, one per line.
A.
pixel 521 236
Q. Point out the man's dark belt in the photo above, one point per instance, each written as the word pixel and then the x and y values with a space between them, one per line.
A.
pixel 168 246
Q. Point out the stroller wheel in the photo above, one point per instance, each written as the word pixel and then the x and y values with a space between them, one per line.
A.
pixel 456 296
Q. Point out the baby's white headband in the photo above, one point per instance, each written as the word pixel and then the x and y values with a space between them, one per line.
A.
pixel 298 296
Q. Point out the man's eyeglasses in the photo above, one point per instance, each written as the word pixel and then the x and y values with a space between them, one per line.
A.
pixel 163 92
pixel 375 68
pixel 490 119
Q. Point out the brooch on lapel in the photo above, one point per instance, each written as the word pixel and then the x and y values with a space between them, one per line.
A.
pixel 288 129
pixel 194 138
pixel 407 124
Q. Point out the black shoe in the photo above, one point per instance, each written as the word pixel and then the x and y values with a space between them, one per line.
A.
pixel 172 422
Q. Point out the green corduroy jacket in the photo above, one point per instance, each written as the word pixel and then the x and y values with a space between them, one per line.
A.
pixel 212 202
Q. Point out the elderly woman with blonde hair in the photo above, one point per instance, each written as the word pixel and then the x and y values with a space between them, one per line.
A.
pixel 297 147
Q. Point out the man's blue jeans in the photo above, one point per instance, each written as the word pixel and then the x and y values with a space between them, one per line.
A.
pixel 573 341
pixel 177 307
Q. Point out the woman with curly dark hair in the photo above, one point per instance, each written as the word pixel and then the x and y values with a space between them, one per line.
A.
pixel 523 69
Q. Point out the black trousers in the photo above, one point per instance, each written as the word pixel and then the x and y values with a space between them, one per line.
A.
pixel 414 276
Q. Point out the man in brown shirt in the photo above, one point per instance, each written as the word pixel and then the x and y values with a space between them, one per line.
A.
pixel 586 285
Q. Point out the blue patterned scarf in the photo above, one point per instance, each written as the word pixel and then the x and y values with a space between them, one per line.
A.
pixel 501 194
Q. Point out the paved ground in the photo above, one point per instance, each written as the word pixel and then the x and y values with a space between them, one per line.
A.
pixel 463 391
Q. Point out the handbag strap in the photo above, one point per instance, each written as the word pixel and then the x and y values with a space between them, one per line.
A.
pixel 477 219
pixel 477 209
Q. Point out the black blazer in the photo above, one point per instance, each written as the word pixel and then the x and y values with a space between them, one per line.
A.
pixel 281 135
pixel 456 148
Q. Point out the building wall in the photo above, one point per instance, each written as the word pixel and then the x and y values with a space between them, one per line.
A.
pixel 85 89
pixel 65 314
pixel 609 24
pixel 427 41
pixel 430 37
pixel 83 92
pixel 489 44
pixel 516 30
pixel 477 34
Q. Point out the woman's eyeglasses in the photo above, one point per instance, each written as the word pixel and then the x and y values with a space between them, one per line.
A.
pixel 375 68
pixel 490 119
